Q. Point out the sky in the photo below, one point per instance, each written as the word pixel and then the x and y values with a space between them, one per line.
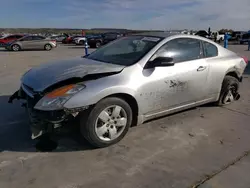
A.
pixel 131 14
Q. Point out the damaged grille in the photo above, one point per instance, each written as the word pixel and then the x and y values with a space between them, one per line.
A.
pixel 36 116
pixel 30 96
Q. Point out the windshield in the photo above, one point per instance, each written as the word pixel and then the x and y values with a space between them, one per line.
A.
pixel 125 51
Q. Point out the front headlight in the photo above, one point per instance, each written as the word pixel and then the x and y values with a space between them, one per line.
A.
pixel 57 98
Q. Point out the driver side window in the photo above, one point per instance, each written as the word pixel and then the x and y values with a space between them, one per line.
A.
pixel 27 38
pixel 181 50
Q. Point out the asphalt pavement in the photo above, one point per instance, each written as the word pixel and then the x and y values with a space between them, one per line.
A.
pixel 203 147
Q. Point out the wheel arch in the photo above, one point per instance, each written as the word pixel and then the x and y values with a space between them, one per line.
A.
pixel 234 74
pixel 16 44
pixel 47 44
pixel 131 102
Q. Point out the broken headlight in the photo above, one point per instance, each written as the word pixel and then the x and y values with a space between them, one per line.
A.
pixel 57 98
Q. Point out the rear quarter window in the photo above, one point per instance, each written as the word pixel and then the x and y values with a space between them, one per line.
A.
pixel 37 38
pixel 210 50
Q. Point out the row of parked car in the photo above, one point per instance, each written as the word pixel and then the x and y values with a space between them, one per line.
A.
pixel 239 36
pixel 94 40
pixel 19 42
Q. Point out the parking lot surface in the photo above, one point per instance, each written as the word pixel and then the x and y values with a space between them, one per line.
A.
pixel 200 147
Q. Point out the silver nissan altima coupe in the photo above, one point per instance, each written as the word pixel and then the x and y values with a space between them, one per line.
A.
pixel 127 82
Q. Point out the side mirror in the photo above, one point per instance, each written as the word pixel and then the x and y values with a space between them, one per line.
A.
pixel 161 62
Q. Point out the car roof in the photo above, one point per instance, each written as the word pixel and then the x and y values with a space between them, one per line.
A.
pixel 165 35
pixel 157 34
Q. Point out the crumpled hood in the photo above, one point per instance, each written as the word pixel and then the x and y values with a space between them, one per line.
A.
pixel 40 78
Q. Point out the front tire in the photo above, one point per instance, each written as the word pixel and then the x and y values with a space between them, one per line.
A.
pixel 107 122
pixel 16 48
pixel 229 90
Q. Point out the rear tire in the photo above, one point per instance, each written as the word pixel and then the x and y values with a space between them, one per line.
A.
pixel 47 47
pixel 16 48
pixel 230 86
pixel 91 123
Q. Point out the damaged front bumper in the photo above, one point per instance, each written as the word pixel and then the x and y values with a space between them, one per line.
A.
pixel 42 122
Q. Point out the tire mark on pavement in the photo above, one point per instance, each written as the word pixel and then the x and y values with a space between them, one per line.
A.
pixel 210 176
pixel 232 110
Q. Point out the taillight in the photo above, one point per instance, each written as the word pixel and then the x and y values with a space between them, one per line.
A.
pixel 245 59
pixel 53 41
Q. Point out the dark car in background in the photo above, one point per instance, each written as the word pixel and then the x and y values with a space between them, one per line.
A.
pixel 9 38
pixel 95 41
pixel 202 33
pixel 245 38
pixel 237 35
pixel 108 37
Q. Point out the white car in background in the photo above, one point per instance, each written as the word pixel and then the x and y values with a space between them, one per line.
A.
pixel 220 35
pixel 80 40
pixel 58 38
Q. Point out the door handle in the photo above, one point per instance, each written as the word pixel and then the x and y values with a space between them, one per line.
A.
pixel 201 68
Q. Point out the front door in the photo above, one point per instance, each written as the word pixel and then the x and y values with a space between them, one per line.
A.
pixel 26 43
pixel 178 85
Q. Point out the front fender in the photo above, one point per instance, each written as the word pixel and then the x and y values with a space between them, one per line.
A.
pixel 95 91
pixel 88 98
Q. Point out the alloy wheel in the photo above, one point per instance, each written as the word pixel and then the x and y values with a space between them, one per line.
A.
pixel 229 96
pixel 111 123
pixel 47 47
pixel 15 48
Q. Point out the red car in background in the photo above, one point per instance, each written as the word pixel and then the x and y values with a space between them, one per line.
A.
pixel 9 38
pixel 70 39
pixel 67 40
